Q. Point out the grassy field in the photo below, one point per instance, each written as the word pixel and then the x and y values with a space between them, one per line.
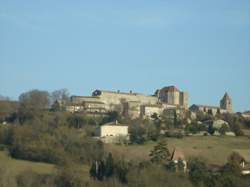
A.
pixel 214 150
pixel 15 167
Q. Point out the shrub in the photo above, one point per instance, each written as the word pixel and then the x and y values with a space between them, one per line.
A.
pixel 2 147
pixel 28 178
pixel 70 175
pixel 37 143
pixel 160 153
pixel 156 176
pixel 197 171
pixel 137 134
pixel 174 134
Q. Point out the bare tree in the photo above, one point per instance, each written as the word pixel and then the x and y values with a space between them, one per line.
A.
pixel 31 104
pixel 61 95
pixel 34 99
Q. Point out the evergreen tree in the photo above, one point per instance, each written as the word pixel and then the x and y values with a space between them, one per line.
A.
pixel 93 170
pixel 109 166
pixel 197 171
pixel 171 166
pixel 180 165
pixel 160 153
pixel 101 171
pixel 97 170
pixel 211 129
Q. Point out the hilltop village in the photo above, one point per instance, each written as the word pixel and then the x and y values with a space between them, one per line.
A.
pixel 168 108
pixel 117 135
pixel 135 105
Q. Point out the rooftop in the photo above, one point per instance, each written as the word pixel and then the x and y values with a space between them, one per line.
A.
pixel 113 123
pixel 206 106
pixel 226 96
pixel 170 89
pixel 177 154
pixel 98 92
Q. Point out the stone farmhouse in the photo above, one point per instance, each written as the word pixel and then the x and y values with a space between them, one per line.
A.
pixel 113 132
pixel 225 107
pixel 129 103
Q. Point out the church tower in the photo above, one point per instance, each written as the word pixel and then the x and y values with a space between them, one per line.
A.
pixel 226 103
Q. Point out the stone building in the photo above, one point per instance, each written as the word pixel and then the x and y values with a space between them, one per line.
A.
pixel 116 98
pixel 113 132
pixel 148 110
pixel 131 109
pixel 226 103
pixel 225 107
pixel 173 96
pixel 213 110
pixel 131 104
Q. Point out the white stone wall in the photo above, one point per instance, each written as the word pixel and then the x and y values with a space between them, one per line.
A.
pixel 173 98
pixel 184 99
pixel 116 98
pixel 113 130
pixel 81 99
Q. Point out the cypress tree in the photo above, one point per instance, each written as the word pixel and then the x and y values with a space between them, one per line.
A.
pixel 109 166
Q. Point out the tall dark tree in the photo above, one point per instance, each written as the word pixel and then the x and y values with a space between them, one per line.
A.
pixel 101 171
pixel 93 170
pixel 160 153
pixel 109 165
pixel 211 129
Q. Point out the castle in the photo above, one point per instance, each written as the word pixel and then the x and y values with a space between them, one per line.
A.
pixel 136 105
pixel 130 104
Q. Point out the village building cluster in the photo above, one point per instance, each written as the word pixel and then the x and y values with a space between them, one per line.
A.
pixel 136 105
pixel 130 104
pixel 225 107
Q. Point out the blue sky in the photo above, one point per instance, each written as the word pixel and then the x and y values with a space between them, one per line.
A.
pixel 198 45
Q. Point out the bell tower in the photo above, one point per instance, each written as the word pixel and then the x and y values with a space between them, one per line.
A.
pixel 226 103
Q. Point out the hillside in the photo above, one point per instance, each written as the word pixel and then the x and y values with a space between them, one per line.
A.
pixel 213 149
pixel 15 167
